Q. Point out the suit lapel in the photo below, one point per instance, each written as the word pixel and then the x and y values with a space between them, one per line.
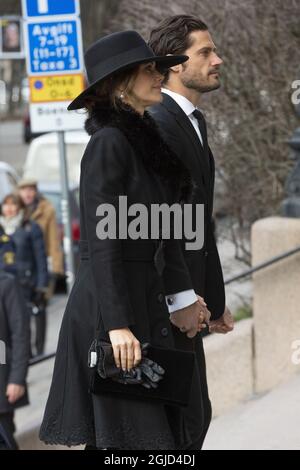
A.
pixel 183 121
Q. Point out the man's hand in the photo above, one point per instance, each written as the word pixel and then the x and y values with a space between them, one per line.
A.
pixel 14 392
pixel 224 324
pixel 191 319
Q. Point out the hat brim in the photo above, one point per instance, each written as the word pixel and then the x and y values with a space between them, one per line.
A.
pixel 164 62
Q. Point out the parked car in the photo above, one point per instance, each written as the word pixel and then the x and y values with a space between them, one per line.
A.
pixel 42 159
pixel 8 179
pixel 52 191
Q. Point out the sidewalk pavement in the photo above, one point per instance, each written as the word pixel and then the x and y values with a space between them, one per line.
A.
pixel 268 422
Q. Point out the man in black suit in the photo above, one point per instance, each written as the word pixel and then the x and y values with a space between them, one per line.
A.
pixel 184 128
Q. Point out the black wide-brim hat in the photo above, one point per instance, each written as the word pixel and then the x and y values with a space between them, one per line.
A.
pixel 117 52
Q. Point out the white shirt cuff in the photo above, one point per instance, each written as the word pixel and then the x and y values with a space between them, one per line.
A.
pixel 181 300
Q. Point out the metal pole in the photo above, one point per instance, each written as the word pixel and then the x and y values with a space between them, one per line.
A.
pixel 263 265
pixel 65 210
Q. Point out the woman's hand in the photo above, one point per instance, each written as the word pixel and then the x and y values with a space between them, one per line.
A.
pixel 14 392
pixel 126 348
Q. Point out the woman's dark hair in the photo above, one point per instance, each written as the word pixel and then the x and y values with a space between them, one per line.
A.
pixel 14 199
pixel 172 35
pixel 107 90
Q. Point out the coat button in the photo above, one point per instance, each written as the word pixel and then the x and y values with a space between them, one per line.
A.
pixel 160 297
pixel 206 253
pixel 164 332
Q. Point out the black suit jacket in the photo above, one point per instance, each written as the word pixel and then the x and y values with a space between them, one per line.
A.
pixel 180 135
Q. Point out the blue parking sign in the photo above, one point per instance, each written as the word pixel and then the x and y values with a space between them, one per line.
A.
pixel 53 46
pixel 40 8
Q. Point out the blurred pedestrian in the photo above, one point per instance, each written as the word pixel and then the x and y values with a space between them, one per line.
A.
pixel 41 211
pixel 15 333
pixel 31 262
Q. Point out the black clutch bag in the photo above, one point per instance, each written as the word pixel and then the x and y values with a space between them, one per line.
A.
pixel 173 386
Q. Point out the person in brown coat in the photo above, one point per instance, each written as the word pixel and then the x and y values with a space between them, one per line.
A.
pixel 42 212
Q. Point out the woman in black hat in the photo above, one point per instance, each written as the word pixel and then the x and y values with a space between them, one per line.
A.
pixel 119 290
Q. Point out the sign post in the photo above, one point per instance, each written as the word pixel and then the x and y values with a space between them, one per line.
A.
pixel 65 210
pixel 54 58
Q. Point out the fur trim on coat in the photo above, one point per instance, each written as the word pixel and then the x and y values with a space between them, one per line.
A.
pixel 143 134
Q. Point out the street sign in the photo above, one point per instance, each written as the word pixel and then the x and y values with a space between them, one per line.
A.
pixel 55 88
pixel 52 117
pixel 40 8
pixel 53 46
pixel 11 38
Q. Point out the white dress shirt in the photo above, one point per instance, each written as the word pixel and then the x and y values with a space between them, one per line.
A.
pixel 187 297
pixel 187 107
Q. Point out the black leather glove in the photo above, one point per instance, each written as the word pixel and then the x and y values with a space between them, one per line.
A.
pixel 152 373
pixel 148 374
pixel 131 377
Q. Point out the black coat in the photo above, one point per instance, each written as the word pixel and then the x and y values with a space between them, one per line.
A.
pixel 15 333
pixel 204 265
pixel 31 258
pixel 118 286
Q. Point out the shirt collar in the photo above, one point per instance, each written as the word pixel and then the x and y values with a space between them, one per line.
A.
pixel 187 107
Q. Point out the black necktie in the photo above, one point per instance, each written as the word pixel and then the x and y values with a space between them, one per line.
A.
pixel 202 126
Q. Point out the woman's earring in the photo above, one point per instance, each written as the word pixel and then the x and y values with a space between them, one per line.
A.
pixel 121 95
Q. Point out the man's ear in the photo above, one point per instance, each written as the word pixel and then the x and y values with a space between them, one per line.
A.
pixel 176 68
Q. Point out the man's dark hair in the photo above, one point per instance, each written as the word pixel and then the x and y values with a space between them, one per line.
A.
pixel 172 35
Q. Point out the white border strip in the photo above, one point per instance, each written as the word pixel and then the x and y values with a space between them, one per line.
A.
pixel 34 18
